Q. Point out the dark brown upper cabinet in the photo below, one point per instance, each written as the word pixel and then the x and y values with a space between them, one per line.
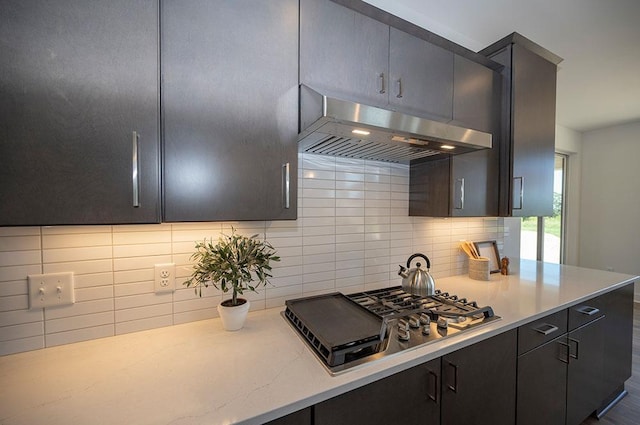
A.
pixel 463 185
pixel 230 109
pixel 528 129
pixel 79 135
pixel 351 56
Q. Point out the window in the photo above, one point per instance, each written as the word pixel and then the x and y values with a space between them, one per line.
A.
pixel 542 238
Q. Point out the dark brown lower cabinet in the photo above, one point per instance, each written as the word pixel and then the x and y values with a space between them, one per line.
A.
pixel 479 382
pixel 542 384
pixel 409 397
pixel 585 371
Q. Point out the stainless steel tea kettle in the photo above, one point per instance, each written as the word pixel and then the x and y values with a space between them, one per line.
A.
pixel 417 281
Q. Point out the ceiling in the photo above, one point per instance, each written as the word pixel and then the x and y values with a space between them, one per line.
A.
pixel 599 40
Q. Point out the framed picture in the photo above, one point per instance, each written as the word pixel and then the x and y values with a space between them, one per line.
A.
pixel 489 249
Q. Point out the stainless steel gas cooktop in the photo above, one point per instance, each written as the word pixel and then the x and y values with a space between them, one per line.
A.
pixel 345 331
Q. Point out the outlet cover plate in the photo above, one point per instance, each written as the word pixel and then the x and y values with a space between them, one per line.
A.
pixel 165 277
pixel 50 290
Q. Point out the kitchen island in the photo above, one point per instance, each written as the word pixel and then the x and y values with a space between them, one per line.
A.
pixel 197 373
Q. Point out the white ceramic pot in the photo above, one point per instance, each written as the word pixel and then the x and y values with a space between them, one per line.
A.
pixel 233 317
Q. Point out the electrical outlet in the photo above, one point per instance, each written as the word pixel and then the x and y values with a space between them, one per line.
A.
pixel 165 277
pixel 50 290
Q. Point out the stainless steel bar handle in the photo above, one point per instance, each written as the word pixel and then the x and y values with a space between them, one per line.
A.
pixel 135 166
pixel 568 351
pixel 546 329
pixel 432 392
pixel 518 193
pixel 459 194
pixel 454 387
pixel 574 356
pixel 381 80
pixel 287 185
pixel 399 92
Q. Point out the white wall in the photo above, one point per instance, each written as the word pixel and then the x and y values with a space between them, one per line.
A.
pixel 352 232
pixel 610 199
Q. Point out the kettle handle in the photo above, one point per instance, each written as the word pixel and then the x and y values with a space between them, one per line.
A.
pixel 421 256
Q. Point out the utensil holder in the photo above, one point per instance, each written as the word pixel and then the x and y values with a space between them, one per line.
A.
pixel 479 268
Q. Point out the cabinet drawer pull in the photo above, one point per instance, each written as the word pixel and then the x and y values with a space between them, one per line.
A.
pixel 399 93
pixel 459 194
pixel 518 192
pixel 546 329
pixel 453 387
pixel 381 81
pixel 135 162
pixel 432 391
pixel 565 359
pixel 589 311
pixel 574 356
pixel 287 185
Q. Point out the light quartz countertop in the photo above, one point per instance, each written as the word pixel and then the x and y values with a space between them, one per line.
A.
pixel 197 373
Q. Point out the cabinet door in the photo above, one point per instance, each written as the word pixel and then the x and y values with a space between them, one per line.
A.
pixel 343 53
pixel 421 77
pixel 77 79
pixel 409 397
pixel 533 133
pixel 230 105
pixel 618 338
pixel 586 370
pixel 542 384
pixel 479 383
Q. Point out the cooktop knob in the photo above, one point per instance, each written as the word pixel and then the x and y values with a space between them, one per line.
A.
pixel 426 330
pixel 403 335
pixel 425 319
pixel 403 325
pixel 414 321
pixel 442 323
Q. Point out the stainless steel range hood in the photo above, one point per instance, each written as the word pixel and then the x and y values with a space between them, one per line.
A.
pixel 337 127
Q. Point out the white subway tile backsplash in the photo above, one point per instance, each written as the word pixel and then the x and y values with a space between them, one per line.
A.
pixel 71 323
pixel 352 232
pixel 21 344
pixel 25 330
pixel 19 258
pixel 78 335
pixel 19 243
pixel 14 302
pixel 75 240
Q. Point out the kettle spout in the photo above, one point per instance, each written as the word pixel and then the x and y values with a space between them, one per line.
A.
pixel 403 272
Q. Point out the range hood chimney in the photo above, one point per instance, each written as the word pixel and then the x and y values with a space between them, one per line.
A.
pixel 331 126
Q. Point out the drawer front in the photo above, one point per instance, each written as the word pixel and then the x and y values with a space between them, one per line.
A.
pixel 586 312
pixel 536 333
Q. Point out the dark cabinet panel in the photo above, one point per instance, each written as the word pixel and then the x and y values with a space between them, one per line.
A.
pixel 541 331
pixel 618 338
pixel 343 53
pixel 542 384
pixel 77 81
pixel 528 122
pixel 409 397
pixel 229 74
pixel 479 382
pixel 463 185
pixel 420 76
pixel 586 371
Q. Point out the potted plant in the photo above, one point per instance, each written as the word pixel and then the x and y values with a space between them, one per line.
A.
pixel 232 264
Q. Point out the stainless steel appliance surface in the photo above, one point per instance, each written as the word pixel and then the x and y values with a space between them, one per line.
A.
pixel 346 331
pixel 337 127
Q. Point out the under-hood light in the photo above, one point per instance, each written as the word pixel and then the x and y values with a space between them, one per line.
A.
pixel 361 132
pixel 448 147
